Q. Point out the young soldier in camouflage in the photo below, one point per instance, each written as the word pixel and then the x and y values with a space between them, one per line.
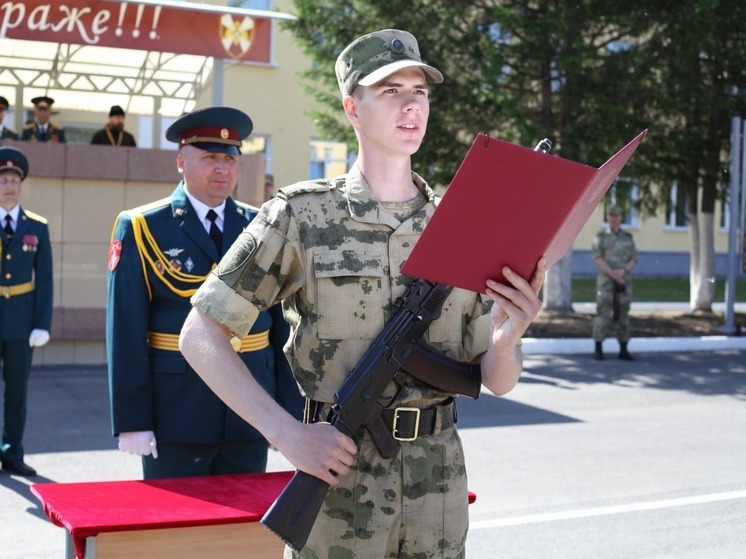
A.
pixel 615 255
pixel 331 250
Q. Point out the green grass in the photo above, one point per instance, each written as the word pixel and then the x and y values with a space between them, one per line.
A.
pixel 664 290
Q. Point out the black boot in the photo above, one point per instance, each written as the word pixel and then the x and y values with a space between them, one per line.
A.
pixel 623 353
pixel 599 355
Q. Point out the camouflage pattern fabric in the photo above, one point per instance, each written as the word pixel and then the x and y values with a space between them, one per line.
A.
pixel 332 254
pixel 617 249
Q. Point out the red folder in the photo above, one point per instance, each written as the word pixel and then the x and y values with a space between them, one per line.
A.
pixel 508 205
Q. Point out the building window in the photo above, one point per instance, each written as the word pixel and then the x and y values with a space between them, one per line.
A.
pixel 625 193
pixel 676 210
pixel 328 159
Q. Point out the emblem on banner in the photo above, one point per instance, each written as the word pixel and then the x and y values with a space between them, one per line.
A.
pixel 236 34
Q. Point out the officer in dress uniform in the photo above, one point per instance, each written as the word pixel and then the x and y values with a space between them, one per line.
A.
pixel 42 130
pixel 160 254
pixel 25 302
pixel 5 132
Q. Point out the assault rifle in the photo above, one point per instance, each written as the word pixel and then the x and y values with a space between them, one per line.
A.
pixel 294 512
pixel 396 348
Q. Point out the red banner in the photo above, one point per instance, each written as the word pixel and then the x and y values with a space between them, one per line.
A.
pixel 140 26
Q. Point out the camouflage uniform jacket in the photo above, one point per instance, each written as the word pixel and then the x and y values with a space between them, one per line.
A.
pixel 616 249
pixel 332 253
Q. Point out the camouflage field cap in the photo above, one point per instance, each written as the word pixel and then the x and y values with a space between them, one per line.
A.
pixel 370 58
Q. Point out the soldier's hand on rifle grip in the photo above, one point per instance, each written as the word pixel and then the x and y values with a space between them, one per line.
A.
pixel 318 449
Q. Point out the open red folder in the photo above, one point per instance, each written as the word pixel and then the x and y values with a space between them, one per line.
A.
pixel 509 205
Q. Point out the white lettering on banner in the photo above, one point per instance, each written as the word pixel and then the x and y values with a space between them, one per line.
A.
pixel 38 19
pixel 84 22
pixel 8 22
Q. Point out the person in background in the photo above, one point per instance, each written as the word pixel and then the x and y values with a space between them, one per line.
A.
pixel 5 132
pixel 25 302
pixel 331 251
pixel 113 133
pixel 615 255
pixel 159 254
pixel 41 129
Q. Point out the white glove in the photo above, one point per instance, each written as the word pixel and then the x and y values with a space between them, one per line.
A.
pixel 140 443
pixel 38 338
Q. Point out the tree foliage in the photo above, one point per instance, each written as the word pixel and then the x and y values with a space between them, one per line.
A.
pixel 589 74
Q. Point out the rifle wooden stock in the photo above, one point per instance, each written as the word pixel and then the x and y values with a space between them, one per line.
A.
pixel 293 514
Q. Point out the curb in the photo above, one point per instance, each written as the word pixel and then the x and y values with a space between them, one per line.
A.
pixel 565 346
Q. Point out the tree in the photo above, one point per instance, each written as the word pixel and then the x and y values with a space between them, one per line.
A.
pixel 697 56
pixel 589 74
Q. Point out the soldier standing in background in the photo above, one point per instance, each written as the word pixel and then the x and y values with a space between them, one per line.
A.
pixel 41 129
pixel 615 256
pixel 5 132
pixel 25 302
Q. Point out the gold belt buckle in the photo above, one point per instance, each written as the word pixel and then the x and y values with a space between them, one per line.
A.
pixel 416 411
pixel 5 291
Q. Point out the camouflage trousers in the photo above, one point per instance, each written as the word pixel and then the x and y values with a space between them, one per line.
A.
pixel 604 324
pixel 411 506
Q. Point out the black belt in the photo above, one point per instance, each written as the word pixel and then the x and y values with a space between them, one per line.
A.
pixel 406 424
pixel 403 423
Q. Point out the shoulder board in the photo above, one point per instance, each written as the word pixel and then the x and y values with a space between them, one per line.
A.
pixel 320 185
pixel 151 206
pixel 35 216
pixel 30 126
pixel 56 127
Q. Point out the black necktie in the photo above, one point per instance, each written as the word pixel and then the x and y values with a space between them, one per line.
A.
pixel 215 233
pixel 8 228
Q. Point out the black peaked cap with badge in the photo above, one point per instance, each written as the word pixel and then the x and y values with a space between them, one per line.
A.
pixel 12 159
pixel 42 101
pixel 214 129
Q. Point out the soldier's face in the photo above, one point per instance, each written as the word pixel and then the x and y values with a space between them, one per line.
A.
pixel 10 189
pixel 391 115
pixel 42 114
pixel 210 177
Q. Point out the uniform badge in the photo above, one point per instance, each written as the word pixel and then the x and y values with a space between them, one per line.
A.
pixel 189 264
pixel 115 251
pixel 173 252
pixel 160 267
pixel 180 212
pixel 176 264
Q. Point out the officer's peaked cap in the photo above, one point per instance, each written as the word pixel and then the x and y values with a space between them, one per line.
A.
pixel 373 57
pixel 215 129
pixel 12 159
pixel 42 101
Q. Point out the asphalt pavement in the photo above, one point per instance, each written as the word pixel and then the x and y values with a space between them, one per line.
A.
pixel 583 459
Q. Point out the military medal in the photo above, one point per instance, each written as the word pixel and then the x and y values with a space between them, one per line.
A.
pixel 189 264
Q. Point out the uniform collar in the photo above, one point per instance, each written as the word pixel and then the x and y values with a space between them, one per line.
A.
pixel 201 208
pixel 364 207
pixel 14 213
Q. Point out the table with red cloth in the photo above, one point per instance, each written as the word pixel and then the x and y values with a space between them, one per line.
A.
pixel 211 516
